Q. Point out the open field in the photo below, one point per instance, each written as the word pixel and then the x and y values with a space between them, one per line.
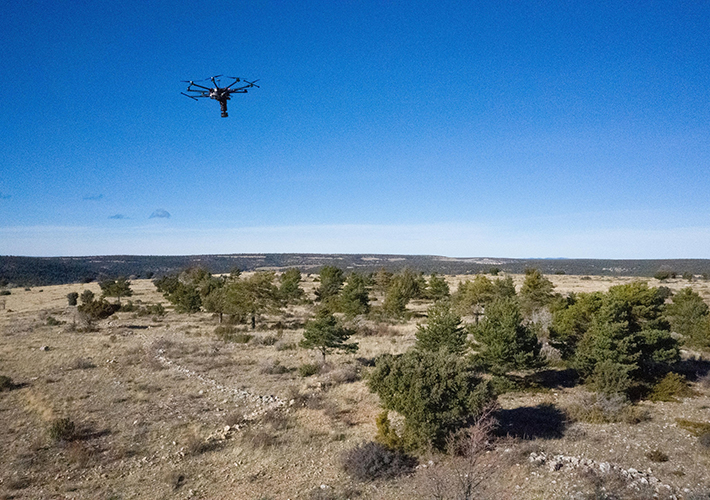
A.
pixel 164 409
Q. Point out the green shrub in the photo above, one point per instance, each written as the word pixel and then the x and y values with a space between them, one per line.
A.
pixel 610 378
pixel 507 343
pixel 442 331
pixel 62 429
pixel 671 387
pixel 370 461
pixel 436 393
pixel 72 298
pixel 308 369
pixel 5 292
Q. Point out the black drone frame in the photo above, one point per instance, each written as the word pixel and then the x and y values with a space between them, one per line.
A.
pixel 220 94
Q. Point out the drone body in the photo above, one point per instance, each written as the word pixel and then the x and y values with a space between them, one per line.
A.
pixel 219 94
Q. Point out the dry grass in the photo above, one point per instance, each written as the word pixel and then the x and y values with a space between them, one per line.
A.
pixel 159 394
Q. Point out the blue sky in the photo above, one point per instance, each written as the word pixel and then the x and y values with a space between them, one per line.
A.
pixel 501 129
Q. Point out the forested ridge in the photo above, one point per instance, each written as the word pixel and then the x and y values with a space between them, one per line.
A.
pixel 35 271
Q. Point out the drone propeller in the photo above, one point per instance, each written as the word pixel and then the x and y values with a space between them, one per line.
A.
pixel 190 96
pixel 252 84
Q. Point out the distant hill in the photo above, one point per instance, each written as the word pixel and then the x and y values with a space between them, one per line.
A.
pixel 35 271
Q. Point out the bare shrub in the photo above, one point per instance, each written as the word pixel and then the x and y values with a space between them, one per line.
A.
pixel 370 461
pixel 597 408
pixel 283 345
pixel 344 375
pixel 82 364
pixel 234 417
pixel 657 456
pixel 272 367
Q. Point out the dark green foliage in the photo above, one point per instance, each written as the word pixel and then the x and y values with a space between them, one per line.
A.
pixel 186 290
pixel 354 298
pixel 438 288
pixel 116 288
pixel 72 298
pixel 97 310
pixel 290 289
pixel 331 280
pixel 536 292
pixel 396 300
pixel 5 292
pixel 253 296
pixel 437 393
pixel 87 296
pixel 571 319
pixel 664 274
pixel 62 429
pixel 471 297
pixel 381 280
pixel 442 331
pixel 370 461
pixel 689 316
pixel 326 333
pixel 186 299
pixel 624 328
pixel 506 343
pixel 610 378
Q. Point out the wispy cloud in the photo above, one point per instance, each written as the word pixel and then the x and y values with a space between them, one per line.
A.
pixel 160 213
pixel 4 196
pixel 119 216
pixel 93 197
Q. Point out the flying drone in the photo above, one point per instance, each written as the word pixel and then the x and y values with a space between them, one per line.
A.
pixel 220 94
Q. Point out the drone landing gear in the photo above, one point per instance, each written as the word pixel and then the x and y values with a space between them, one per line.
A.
pixel 223 106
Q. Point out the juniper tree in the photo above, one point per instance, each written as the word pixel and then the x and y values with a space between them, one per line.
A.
pixel 443 330
pixel 326 333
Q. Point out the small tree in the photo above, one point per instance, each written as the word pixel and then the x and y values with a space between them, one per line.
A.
pixel 87 296
pixel 536 292
pixel 116 288
pixel 438 288
pixel 331 280
pixel 72 298
pixel 689 316
pixel 253 296
pixel 507 343
pixel 325 333
pixel 354 297
pixel 290 289
pixel 442 331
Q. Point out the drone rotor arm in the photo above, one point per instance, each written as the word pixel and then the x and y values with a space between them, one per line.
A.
pixel 190 96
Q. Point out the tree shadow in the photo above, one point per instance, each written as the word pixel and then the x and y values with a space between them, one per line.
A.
pixel 693 369
pixel 544 421
pixel 554 379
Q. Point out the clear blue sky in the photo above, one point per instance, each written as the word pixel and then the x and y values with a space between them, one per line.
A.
pixel 502 129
